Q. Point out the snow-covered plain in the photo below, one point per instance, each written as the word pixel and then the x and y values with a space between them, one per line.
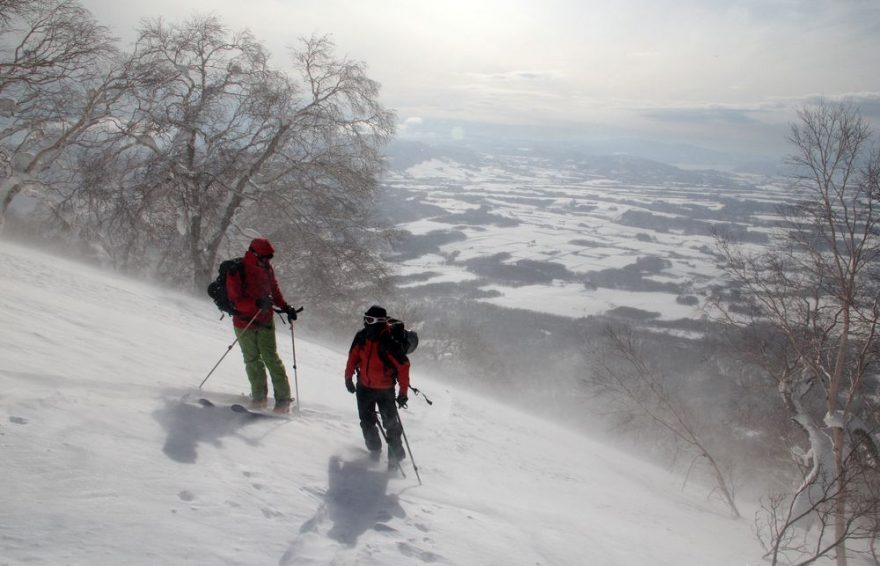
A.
pixel 592 225
pixel 106 462
pixel 573 300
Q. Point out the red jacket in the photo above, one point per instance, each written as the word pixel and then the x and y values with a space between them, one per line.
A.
pixel 366 355
pixel 259 283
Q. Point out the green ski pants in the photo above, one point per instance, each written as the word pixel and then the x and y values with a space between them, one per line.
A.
pixel 261 353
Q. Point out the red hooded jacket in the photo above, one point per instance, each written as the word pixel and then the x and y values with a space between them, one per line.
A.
pixel 378 361
pixel 258 282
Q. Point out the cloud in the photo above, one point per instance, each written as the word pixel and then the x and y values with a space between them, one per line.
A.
pixel 701 115
pixel 767 109
pixel 738 70
pixel 510 76
pixel 409 125
pixel 868 103
pixel 870 109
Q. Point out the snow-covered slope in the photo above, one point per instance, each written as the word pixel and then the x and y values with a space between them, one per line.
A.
pixel 104 462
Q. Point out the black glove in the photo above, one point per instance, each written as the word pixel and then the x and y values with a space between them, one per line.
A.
pixel 264 303
pixel 290 312
pixel 349 384
pixel 401 401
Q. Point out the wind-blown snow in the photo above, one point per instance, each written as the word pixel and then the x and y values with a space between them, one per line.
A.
pixel 105 463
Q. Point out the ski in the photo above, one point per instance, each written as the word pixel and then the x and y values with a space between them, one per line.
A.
pixel 256 413
pixel 242 410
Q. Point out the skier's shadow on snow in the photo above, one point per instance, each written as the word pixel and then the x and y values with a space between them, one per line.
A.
pixel 356 500
pixel 189 425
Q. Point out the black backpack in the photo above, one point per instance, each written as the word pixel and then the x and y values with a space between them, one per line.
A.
pixel 217 288
pixel 408 340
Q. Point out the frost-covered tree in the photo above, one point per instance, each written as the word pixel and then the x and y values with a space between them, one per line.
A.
pixel 56 87
pixel 813 319
pixel 216 142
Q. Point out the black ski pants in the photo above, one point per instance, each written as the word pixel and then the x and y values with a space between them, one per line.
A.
pixel 368 401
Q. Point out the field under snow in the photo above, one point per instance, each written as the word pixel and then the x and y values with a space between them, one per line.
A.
pixel 107 462
pixel 578 237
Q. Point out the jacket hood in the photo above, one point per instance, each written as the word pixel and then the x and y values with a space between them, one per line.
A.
pixel 262 246
pixel 376 311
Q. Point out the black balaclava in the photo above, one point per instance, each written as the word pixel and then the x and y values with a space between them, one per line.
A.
pixel 373 330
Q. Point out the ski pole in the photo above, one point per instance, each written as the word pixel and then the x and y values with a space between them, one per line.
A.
pixel 293 347
pixel 229 348
pixel 417 392
pixel 385 438
pixel 408 449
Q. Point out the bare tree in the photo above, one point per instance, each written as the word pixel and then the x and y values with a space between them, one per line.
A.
pixel 813 308
pixel 46 41
pixel 326 216
pixel 780 522
pixel 10 9
pixel 216 143
pixel 56 85
pixel 642 393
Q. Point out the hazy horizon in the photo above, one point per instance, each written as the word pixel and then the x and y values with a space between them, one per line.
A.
pixel 726 78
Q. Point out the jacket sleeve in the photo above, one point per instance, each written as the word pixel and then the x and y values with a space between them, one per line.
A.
pixel 277 297
pixel 354 356
pixel 245 306
pixel 403 378
pixel 401 363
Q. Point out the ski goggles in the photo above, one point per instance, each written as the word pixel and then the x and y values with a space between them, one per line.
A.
pixel 374 319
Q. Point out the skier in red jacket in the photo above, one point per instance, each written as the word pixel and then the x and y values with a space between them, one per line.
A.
pixel 253 290
pixel 378 362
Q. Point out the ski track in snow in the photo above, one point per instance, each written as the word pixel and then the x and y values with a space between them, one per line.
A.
pixel 109 459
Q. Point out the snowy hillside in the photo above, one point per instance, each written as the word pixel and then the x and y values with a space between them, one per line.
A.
pixel 106 463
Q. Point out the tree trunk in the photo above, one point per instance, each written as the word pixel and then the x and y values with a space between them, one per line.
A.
pixel 840 500
pixel 721 482
pixel 838 438
pixel 11 193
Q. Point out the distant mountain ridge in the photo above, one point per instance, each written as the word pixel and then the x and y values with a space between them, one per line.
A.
pixel 401 155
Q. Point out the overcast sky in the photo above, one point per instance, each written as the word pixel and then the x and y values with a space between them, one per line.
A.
pixel 724 74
